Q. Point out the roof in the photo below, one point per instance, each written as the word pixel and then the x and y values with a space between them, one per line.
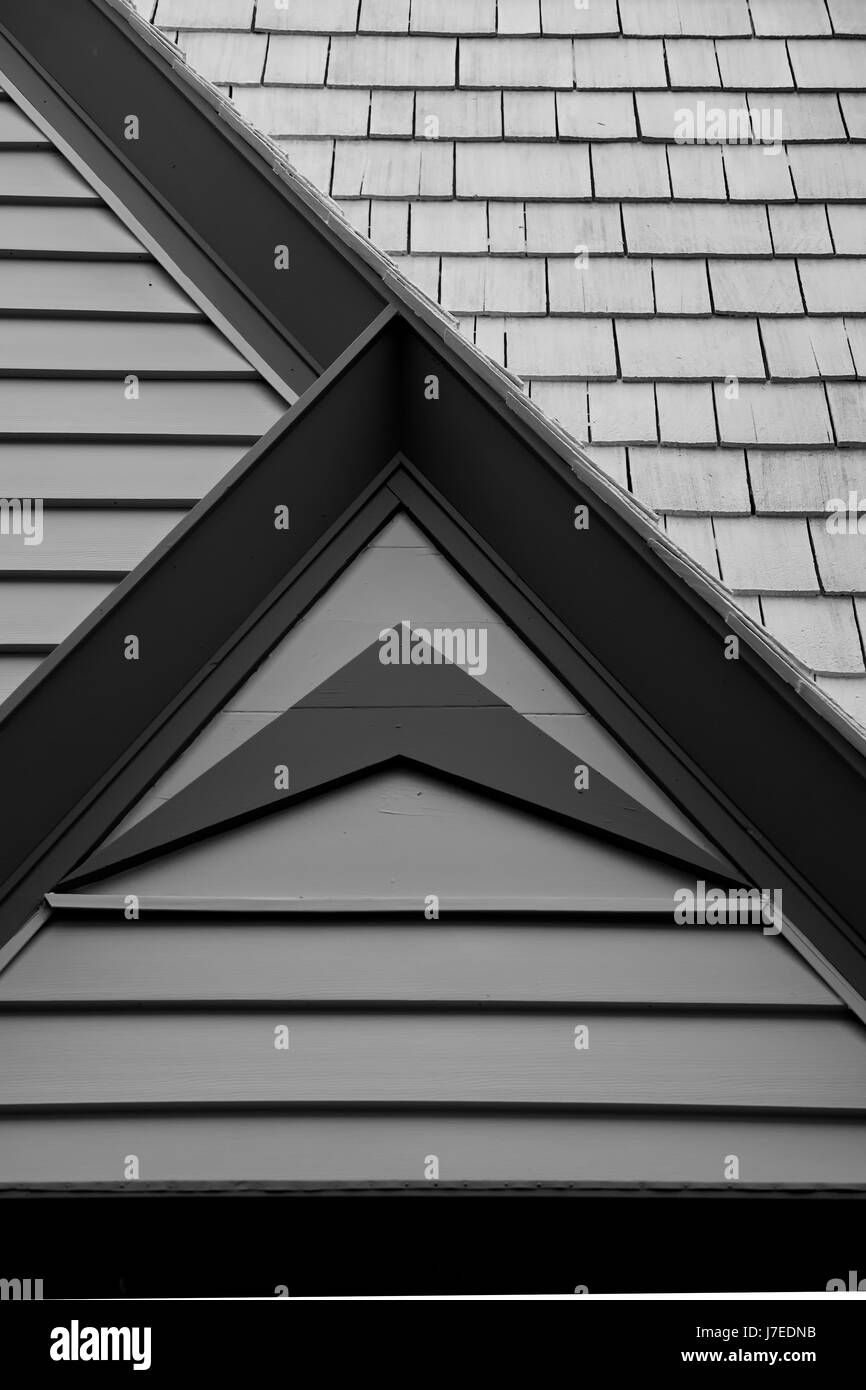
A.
pixel 411 470
pixel 555 130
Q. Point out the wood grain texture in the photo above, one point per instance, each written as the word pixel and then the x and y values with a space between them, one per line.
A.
pixel 43 614
pixel 167 410
pixel 385 1147
pixel 102 961
pixel 114 472
pixel 91 347
pixel 88 541
pixel 404 1057
pixel 90 232
pixel 137 289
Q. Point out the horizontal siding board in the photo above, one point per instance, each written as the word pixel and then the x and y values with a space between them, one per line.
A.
pixel 41 176
pixel 69 231
pixel 17 131
pixel 14 670
pixel 114 472
pixel 87 347
pixel 141 290
pixel 191 410
pixel 527 962
pixel 402 1057
pixel 369 1148
pixel 43 614
pixel 88 541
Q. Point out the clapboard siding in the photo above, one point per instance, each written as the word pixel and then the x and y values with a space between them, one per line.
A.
pixel 394 1148
pixel 114 472
pixel 14 670
pixel 170 410
pixel 82 541
pixel 90 232
pixel 43 614
pixel 576 962
pixel 93 347
pixel 42 176
pixel 404 1057
pixel 120 288
pixel 17 131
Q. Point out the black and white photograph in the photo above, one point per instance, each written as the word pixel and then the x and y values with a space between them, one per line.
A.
pixel 432 672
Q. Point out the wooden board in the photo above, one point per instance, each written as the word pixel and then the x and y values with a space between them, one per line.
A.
pixel 43 614
pixel 14 670
pixel 401 834
pixel 43 176
pixel 419 1058
pixel 17 131
pixel 129 288
pixel 169 410
pixel 87 541
pixel 394 1148
pixel 99 961
pixel 93 347
pixel 68 231
pixel 114 472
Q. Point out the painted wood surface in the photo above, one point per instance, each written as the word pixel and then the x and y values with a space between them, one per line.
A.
pixel 122 289
pixel 169 410
pixel 401 833
pixel 84 541
pixel 91 347
pixel 57 471
pixel 91 232
pixel 113 960
pixel 411 1057
pixel 43 614
pixel 43 176
pixel 362 1148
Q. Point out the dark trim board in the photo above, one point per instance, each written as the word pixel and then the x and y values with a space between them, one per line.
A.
pixel 101 68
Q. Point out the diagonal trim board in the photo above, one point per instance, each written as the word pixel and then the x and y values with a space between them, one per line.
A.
pixel 433 715
pixel 609 611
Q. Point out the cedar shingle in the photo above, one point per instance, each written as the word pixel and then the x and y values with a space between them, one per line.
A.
pixel 854 107
pixel 774 414
pixel 228 58
pixel 695 535
pixel 298 59
pixel 389 225
pixel 368 61
pixel 821 632
pixel 622 413
pixel 673 115
pixel 848 16
pixel 384 16
pixel 797 480
pixel 716 229
pixel 834 286
pixel 298 111
pixel 204 14
pixel 453 17
pixel 630 171
pixel 833 63
pixel 692 348
pixel 595 115
pixel 565 401
pixel 807 347
pixel 529 115
pixel 391 113
pixel 848 225
pixel 507 227
pixel 697 172
pixel 752 62
pixel 423 271
pixel 517 17
pixel 681 286
pixel 464 114
pixel 449 227
pixel 691 481
pixel 760 554
pixel 503 62
pixel 312 158
pixel 493 285
pixel 562 228
pixel 692 63
pixel 829 171
pixel 605 285
pixel 393 169
pixel 316 16
pixel 686 413
pixel 788 17
pixel 848 407
pixel 841 559
pixel 755 287
pixel 561 348
pixel 618 63
pixel 516 170
pixel 564 17
pixel 803 115
pixel 754 173
pixel 685 17
pixel 801 230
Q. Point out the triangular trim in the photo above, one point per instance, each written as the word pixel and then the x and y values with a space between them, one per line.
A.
pixel 369 715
